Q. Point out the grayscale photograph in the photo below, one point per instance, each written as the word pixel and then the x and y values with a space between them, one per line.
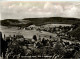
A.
pixel 40 30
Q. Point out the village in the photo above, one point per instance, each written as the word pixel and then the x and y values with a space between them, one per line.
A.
pixel 48 40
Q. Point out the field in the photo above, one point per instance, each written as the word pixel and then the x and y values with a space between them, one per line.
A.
pixel 26 33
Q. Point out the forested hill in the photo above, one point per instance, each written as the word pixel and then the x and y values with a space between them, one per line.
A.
pixel 40 21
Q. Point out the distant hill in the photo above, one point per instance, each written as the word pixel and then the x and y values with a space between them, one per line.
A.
pixel 15 22
pixel 39 21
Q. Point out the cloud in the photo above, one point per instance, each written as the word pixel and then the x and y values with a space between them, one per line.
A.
pixel 47 5
pixel 71 11
pixel 39 9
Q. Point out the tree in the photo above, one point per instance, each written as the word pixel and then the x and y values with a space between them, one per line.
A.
pixel 59 50
pixel 76 33
pixel 35 38
pixel 3 45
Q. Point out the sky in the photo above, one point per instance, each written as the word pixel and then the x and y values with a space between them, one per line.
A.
pixel 39 0
pixel 37 9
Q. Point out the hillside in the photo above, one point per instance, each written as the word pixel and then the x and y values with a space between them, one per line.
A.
pixel 39 21
pixel 15 22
